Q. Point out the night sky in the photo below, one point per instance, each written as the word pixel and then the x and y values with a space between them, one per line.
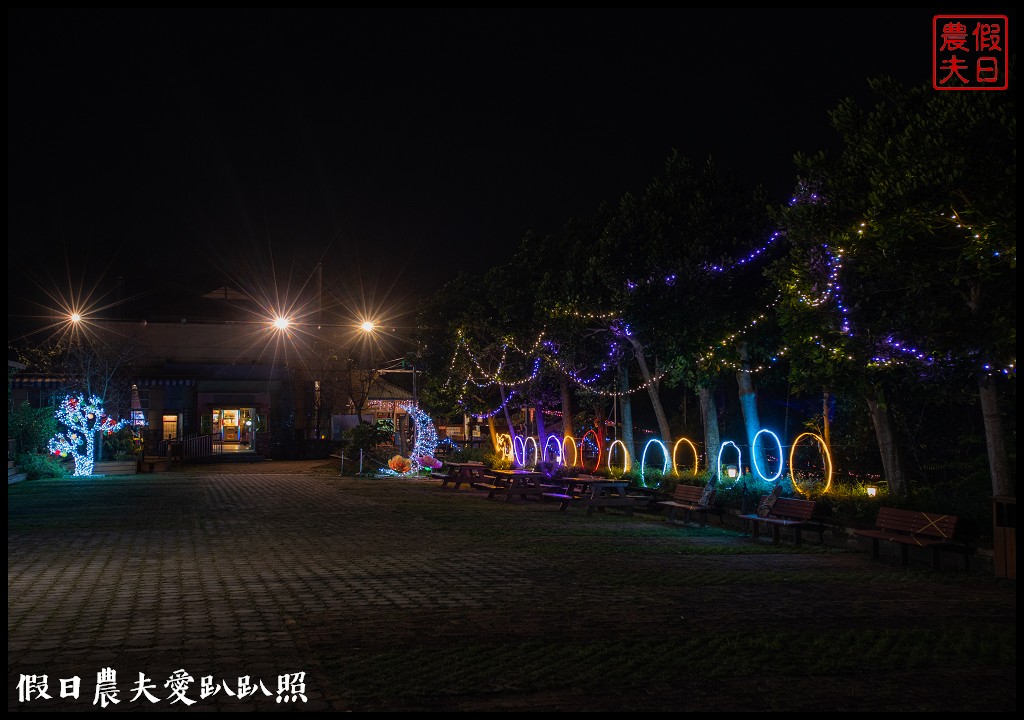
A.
pixel 181 149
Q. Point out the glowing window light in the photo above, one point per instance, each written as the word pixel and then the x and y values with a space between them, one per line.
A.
pixel 536 450
pixel 825 453
pixel 517 445
pixel 597 441
pixel 505 445
pixel 675 468
pixel 625 456
pixel 558 447
pixel 739 458
pixel 643 459
pixel 753 454
pixel 570 442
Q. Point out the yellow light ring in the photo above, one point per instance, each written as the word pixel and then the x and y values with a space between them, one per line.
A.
pixel 675 469
pixel 824 452
pixel 625 456
pixel 570 442
pixel 597 441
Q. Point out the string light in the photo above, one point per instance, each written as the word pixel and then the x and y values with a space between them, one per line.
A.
pixel 85 418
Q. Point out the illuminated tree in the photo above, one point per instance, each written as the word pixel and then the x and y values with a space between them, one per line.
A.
pixel 85 418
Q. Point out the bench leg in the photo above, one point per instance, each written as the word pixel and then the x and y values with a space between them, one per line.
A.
pixel 904 554
pixel 755 531
pixel 936 561
pixel 776 535
pixel 874 548
pixel 703 519
pixel 796 536
pixel 671 514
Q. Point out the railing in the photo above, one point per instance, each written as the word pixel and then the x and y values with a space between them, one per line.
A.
pixel 192 449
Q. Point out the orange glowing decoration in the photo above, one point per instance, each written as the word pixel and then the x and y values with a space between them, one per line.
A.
pixel 826 454
pixel 597 442
pixel 675 468
pixel 569 442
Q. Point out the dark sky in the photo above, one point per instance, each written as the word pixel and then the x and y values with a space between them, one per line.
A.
pixel 178 148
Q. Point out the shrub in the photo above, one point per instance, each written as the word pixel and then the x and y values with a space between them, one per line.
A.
pixel 37 466
pixel 32 427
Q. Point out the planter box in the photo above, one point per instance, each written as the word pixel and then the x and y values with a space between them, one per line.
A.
pixel 115 467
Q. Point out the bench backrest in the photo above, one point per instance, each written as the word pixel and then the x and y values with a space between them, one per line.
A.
pixel 692 494
pixel 792 508
pixel 934 525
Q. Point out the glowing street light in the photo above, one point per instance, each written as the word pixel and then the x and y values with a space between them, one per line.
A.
pixel 367 326
pixel 281 323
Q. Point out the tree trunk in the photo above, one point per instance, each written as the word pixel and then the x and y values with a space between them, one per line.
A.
pixel 542 437
pixel 988 397
pixel 748 406
pixel 652 389
pixel 567 409
pixel 892 467
pixel 712 440
pixel 999 466
pixel 826 418
pixel 627 409
pixel 493 429
pixel 511 427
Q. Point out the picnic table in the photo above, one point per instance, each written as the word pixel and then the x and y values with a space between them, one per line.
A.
pixel 458 473
pixel 524 483
pixel 594 493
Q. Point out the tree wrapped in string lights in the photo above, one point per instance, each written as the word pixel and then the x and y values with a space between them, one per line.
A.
pixel 85 418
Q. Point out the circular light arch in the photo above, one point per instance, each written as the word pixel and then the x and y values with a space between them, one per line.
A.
pixel 675 468
pixel 625 456
pixel 753 455
pixel 739 459
pixel 643 459
pixel 826 453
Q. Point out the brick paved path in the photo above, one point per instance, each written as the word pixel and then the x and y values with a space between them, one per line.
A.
pixel 392 594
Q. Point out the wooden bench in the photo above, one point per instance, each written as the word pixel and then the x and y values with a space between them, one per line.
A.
pixel 786 513
pixel 910 528
pixel 688 498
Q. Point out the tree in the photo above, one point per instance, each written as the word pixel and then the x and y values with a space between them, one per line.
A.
pixel 86 419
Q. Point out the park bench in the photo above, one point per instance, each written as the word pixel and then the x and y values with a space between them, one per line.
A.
pixel 786 513
pixel 692 499
pixel 910 528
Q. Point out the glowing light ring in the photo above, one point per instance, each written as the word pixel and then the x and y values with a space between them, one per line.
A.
pixel 826 453
pixel 643 459
pixel 625 456
pixel 570 442
pixel 517 442
pixel 753 455
pixel 558 446
pixel 675 447
pixel 536 450
pixel 597 441
pixel 505 445
pixel 739 459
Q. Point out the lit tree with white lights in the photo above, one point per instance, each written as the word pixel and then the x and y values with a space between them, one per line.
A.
pixel 85 419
